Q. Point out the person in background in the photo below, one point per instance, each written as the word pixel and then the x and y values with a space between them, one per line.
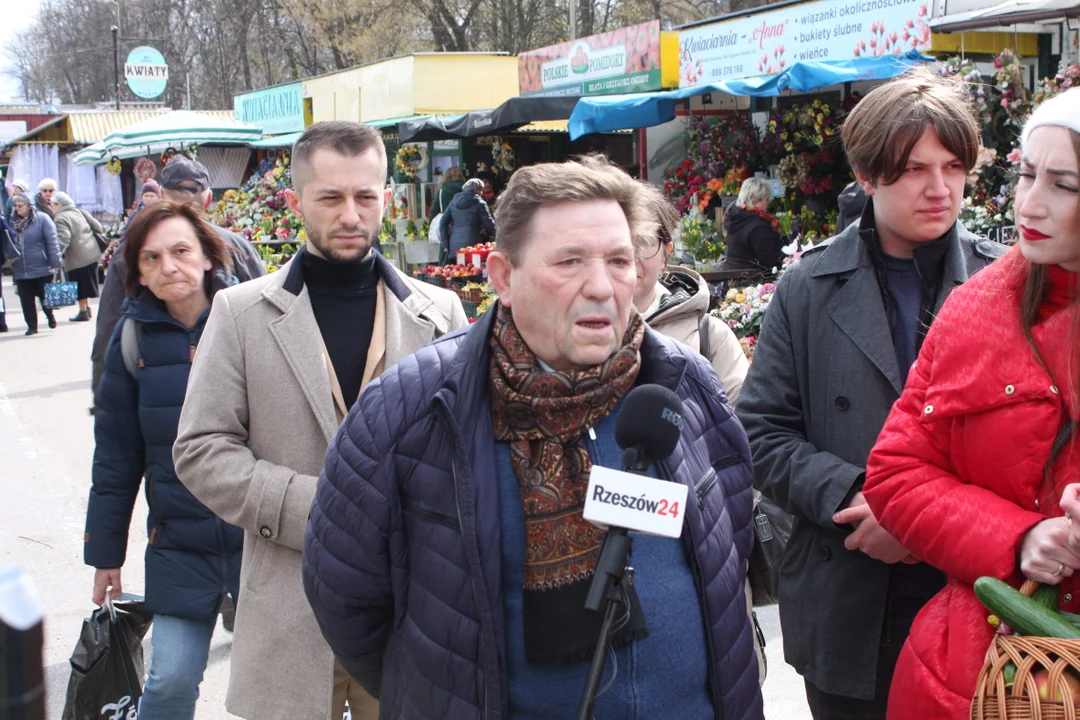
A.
pixel 182 180
pixel 467 464
pixel 282 361
pixel 175 265
pixel 17 187
pixel 488 192
pixel 752 234
pixel 8 251
pixel 674 301
pixel 843 327
pixel 851 201
pixel 39 259
pixel 450 185
pixel 151 192
pixel 43 200
pixel 944 478
pixel 463 220
pixel 75 231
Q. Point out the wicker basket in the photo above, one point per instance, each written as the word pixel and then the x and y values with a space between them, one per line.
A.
pixel 993 701
pixel 470 296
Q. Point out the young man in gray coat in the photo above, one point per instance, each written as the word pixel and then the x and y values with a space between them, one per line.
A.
pixel 842 331
pixel 280 363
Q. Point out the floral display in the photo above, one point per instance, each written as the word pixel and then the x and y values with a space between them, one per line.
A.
pixel 259 211
pixel 1002 104
pixel 701 238
pixel 715 146
pixel 409 160
pixel 743 308
pixel 114 166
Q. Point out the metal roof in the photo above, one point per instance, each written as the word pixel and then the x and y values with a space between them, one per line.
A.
pixel 88 127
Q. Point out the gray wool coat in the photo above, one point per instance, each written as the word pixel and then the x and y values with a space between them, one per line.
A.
pixel 823 379
pixel 75 231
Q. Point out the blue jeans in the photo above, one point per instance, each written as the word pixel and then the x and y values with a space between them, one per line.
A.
pixel 180 651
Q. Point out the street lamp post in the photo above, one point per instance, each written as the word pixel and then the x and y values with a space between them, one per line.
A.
pixel 116 62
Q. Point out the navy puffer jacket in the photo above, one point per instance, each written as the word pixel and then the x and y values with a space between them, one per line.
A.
pixel 402 561
pixel 193 557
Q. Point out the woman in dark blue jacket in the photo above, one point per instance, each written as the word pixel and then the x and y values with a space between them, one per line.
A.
pixel 174 264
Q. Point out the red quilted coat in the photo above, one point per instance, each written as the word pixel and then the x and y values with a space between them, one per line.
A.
pixel 957 473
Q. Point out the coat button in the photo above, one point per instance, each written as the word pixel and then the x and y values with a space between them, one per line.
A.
pixel 1068 597
pixel 265 531
pixel 1009 389
pixel 928 409
pixel 842 403
pixel 824 553
pixel 1054 389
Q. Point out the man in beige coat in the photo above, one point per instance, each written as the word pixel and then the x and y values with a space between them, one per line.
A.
pixel 281 361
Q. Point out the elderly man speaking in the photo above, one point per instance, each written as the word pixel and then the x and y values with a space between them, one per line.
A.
pixel 447 558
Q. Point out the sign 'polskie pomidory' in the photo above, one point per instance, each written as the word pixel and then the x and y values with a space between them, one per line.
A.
pixel 768 42
pixel 630 59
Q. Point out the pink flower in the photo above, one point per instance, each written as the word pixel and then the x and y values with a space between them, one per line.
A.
pixel 1014 156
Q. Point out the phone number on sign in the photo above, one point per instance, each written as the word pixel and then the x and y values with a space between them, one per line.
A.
pixel 725 71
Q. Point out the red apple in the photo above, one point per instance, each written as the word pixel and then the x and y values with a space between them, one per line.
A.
pixel 1046 692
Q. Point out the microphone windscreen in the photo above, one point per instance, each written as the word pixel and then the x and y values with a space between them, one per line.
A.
pixel 651 418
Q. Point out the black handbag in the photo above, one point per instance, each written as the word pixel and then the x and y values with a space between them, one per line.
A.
pixel 99 238
pixel 772 528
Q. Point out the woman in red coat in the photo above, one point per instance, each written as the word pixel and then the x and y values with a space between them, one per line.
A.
pixel 969 470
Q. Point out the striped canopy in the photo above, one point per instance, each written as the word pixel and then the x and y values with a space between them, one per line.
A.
pixel 178 129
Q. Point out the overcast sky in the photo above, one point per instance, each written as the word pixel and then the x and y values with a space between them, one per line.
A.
pixel 17 14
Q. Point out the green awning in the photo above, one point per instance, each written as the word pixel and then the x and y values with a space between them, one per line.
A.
pixel 388 122
pixel 275 141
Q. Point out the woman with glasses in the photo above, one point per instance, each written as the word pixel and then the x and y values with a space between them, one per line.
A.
pixel 674 301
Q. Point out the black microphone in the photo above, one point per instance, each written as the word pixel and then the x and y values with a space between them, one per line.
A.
pixel 649 424
pixel 647 429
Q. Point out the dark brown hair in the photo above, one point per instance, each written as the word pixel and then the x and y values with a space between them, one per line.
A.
pixel 592 177
pixel 880 132
pixel 343 137
pixel 151 216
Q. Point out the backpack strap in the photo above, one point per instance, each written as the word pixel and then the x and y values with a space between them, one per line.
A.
pixel 129 345
pixel 703 336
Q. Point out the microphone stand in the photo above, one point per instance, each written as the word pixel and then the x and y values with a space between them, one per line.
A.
pixel 606 591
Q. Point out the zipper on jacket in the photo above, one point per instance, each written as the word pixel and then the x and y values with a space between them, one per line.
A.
pixel 410 505
pixel 711 476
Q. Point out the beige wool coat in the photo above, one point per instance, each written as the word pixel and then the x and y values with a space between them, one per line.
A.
pixel 680 322
pixel 257 419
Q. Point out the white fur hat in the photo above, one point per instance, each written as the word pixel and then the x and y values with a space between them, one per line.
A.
pixel 1062 110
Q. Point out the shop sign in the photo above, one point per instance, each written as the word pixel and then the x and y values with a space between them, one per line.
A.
pixel 277 110
pixel 767 43
pixel 621 61
pixel 146 72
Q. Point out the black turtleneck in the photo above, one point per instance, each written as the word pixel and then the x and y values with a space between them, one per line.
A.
pixel 343 298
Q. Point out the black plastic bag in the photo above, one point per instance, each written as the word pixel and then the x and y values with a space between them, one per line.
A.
pixel 107 665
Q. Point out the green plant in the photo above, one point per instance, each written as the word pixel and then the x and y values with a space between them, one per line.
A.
pixel 701 238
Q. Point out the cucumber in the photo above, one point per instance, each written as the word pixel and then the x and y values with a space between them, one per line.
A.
pixel 1008 674
pixel 1047 596
pixel 1071 617
pixel 1021 613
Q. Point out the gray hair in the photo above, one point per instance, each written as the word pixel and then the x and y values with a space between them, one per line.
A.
pixel 473 185
pixel 63 200
pixel 753 190
pixel 46 184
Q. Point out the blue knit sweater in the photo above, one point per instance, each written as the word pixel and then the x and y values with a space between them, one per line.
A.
pixel 664 675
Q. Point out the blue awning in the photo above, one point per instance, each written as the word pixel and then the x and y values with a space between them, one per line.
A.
pixel 605 113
